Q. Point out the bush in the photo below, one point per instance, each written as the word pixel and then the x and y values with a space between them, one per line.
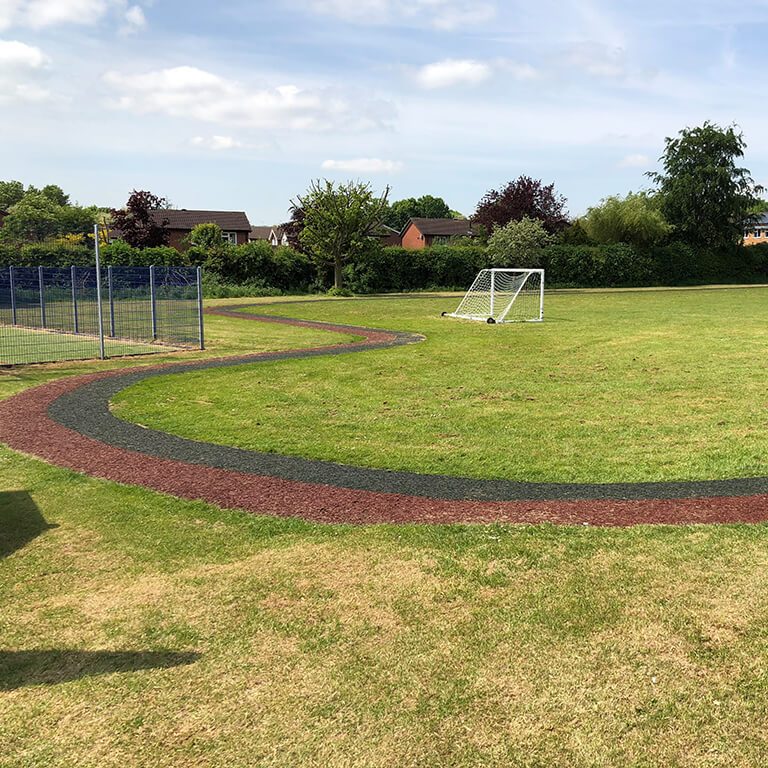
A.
pixel 120 253
pixel 596 266
pixel 214 288
pixel 398 269
pixel 260 264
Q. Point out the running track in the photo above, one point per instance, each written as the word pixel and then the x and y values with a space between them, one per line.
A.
pixel 68 422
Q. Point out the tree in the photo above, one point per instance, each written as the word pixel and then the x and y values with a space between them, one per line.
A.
pixel 293 228
pixel 138 224
pixel 635 219
pixel 426 206
pixel 704 194
pixel 519 243
pixel 34 218
pixel 55 193
pixel 523 197
pixel 575 234
pixel 11 193
pixel 37 217
pixel 339 222
pixel 206 242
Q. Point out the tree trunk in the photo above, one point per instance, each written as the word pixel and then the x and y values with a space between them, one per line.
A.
pixel 337 277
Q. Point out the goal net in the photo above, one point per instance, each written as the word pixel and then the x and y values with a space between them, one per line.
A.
pixel 504 296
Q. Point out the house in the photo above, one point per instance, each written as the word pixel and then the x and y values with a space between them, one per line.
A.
pixel 757 231
pixel 422 233
pixel 273 235
pixel 387 235
pixel 235 227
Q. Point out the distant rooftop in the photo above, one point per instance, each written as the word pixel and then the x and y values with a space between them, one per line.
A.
pixel 444 227
pixel 231 221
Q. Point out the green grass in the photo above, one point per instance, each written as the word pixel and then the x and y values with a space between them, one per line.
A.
pixel 613 386
pixel 25 345
pixel 312 645
pixel 378 646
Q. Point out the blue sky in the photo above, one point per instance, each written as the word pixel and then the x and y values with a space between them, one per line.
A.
pixel 238 105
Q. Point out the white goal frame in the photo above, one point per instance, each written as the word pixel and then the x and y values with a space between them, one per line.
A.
pixel 495 292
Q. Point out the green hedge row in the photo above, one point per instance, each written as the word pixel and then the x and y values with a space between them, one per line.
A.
pixel 583 266
pixel 259 268
pixel 256 266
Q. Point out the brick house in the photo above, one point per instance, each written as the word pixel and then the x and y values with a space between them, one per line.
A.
pixel 235 227
pixel 422 233
pixel 757 231
pixel 387 235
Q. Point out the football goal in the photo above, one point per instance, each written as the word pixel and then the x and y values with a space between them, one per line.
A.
pixel 504 296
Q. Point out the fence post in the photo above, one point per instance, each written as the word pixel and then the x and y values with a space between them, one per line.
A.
pixel 73 275
pixel 42 296
pixel 13 295
pixel 153 301
pixel 200 306
pixel 111 303
pixel 98 292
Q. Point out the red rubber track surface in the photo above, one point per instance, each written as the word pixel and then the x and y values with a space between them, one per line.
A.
pixel 26 426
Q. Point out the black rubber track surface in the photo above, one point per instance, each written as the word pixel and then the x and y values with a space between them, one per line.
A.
pixel 86 410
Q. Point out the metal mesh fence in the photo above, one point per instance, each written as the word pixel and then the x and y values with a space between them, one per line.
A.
pixel 54 313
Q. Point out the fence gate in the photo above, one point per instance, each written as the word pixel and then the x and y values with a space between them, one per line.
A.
pixel 75 313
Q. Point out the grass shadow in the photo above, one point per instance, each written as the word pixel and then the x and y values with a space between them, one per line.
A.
pixel 51 667
pixel 20 521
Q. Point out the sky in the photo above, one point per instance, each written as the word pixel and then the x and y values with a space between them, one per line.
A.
pixel 237 105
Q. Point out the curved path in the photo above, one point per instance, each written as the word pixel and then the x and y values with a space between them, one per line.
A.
pixel 68 422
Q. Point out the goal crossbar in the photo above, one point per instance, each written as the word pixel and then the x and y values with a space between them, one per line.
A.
pixel 502 295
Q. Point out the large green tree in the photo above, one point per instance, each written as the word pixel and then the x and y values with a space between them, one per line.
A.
pixel 11 193
pixel 39 216
pixel 705 195
pixel 339 220
pixel 426 206
pixel 635 219
pixel 520 198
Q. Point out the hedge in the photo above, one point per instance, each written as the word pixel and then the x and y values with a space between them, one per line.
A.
pixel 258 268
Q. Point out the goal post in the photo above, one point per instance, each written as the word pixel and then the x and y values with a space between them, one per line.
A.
pixel 504 296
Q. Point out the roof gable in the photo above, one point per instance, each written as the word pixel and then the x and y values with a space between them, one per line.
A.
pixel 231 221
pixel 441 227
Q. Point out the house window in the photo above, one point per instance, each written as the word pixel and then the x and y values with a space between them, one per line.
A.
pixel 229 237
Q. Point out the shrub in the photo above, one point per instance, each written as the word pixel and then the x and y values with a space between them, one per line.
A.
pixel 259 263
pixel 398 269
pixel 519 243
pixel 591 266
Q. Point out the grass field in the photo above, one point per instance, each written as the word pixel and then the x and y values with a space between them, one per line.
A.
pixel 614 386
pixel 26 345
pixel 137 629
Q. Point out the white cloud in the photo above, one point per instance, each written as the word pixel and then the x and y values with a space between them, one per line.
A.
pixel 37 14
pixel 635 161
pixel 216 143
pixel 20 66
pixel 441 14
pixel 363 165
pixel 135 18
pixel 444 74
pixel 20 55
pixel 190 92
